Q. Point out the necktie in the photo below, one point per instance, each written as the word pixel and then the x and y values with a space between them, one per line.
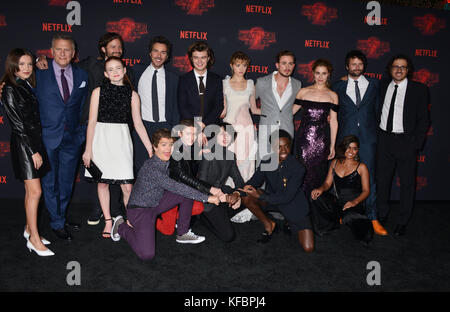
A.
pixel 155 105
pixel 65 86
pixel 201 88
pixel 390 120
pixel 358 94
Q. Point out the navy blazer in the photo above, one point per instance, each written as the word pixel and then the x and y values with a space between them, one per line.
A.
pixel 289 199
pixel 189 98
pixel 172 115
pixel 361 122
pixel 57 116
pixel 415 111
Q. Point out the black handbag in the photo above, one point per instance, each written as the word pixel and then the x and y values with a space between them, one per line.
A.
pixel 94 171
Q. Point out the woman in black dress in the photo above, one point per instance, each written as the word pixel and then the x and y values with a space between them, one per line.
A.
pixel 350 178
pixel 27 149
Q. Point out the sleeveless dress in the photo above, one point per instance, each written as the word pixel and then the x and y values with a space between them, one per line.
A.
pixel 312 142
pixel 112 147
pixel 238 115
pixel 347 189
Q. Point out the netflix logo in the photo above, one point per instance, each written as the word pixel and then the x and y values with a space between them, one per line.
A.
pixel 257 38
pixel 377 20
pixel 130 62
pixel 319 13
pixel 4 148
pixel 317 44
pixel 56 27
pixel 421 182
pixel 2 21
pixel 421 158
pixel 187 34
pixel 127 28
pixel 139 2
pixel 258 9
pixel 258 69
pixel 182 63
pixel 374 75
pixel 423 52
pixel 195 7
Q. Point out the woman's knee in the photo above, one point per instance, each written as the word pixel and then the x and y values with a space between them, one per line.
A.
pixel 33 190
pixel 306 239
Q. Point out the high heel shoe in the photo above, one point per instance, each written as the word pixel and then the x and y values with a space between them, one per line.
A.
pixel 42 253
pixel 266 236
pixel 26 235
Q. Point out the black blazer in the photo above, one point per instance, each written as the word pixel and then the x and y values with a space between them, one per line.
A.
pixel 172 115
pixel 415 111
pixel 283 188
pixel 189 98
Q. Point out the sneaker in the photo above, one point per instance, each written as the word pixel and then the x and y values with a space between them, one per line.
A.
pixel 95 216
pixel 190 238
pixel 115 236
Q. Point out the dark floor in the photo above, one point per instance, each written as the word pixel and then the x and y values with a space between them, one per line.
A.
pixel 420 261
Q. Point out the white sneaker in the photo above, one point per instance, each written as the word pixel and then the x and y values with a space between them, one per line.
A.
pixel 243 216
pixel 190 238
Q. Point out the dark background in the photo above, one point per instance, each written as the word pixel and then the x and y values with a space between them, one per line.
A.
pixel 261 29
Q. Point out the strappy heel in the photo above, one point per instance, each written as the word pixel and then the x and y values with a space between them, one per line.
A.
pixel 107 234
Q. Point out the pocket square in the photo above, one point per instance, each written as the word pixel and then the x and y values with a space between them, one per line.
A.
pixel 83 84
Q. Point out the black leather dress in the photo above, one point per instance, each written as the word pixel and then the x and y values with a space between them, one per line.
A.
pixel 22 110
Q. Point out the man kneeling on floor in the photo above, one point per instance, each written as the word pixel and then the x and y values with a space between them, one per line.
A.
pixel 154 193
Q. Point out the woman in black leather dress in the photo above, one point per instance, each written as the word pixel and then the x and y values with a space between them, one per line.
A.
pixel 27 149
pixel 350 178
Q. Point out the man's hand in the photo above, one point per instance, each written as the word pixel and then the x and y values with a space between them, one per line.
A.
pixel 216 191
pixel 42 62
pixel 233 198
pixel 250 190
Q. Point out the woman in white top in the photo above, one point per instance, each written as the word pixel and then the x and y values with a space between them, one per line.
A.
pixel 239 100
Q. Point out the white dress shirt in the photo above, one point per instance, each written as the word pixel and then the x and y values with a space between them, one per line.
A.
pixel 397 125
pixel 198 79
pixel 363 84
pixel 145 93
pixel 281 101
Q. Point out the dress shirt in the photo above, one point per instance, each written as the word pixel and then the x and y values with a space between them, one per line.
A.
pixel 281 101
pixel 198 79
pixel 145 93
pixel 398 108
pixel 363 83
pixel 67 73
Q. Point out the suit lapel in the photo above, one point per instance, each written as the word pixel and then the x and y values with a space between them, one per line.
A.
pixel 344 93
pixel 367 94
pixel 53 80
pixel 270 90
pixel 76 81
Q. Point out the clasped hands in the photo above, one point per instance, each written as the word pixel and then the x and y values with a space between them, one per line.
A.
pixel 234 199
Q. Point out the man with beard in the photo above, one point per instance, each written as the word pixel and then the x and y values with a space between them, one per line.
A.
pixel 110 44
pixel 358 103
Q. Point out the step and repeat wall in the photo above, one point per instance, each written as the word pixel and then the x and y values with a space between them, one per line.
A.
pixel 260 28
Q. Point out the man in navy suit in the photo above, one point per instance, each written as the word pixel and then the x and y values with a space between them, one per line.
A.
pixel 402 121
pixel 61 91
pixel 358 102
pixel 200 91
pixel 157 88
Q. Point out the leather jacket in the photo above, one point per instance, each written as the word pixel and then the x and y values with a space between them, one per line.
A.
pixel 183 171
pixel 22 109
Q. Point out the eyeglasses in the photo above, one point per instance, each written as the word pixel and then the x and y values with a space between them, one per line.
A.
pixel 400 67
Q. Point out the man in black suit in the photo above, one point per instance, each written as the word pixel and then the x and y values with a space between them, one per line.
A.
pixel 403 124
pixel 200 91
pixel 157 88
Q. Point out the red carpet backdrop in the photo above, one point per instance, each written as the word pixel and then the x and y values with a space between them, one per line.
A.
pixel 261 28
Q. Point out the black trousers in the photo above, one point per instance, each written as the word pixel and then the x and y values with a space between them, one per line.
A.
pixel 396 151
pixel 217 221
